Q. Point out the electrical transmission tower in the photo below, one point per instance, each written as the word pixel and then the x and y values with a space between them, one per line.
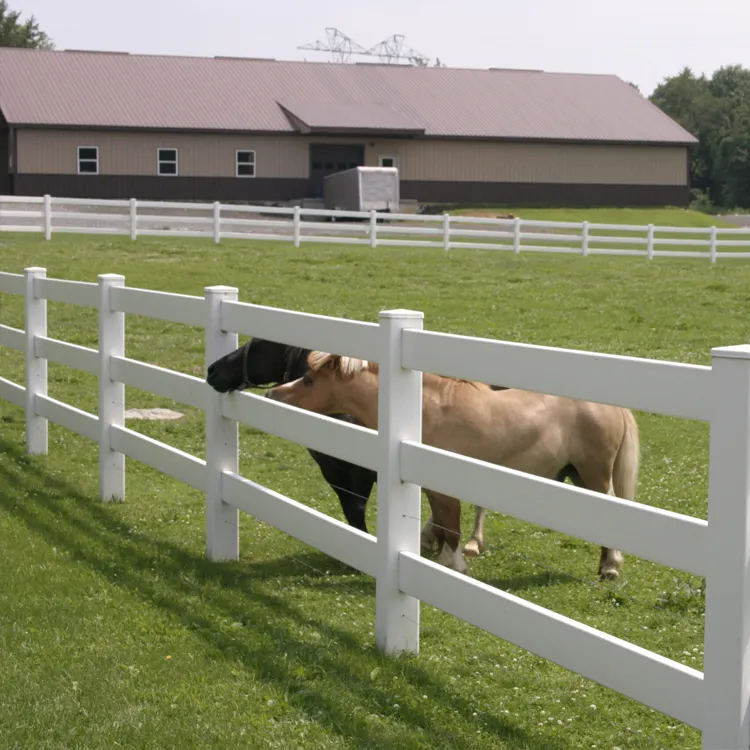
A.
pixel 338 44
pixel 341 47
pixel 392 50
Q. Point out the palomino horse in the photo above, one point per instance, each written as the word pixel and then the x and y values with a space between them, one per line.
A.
pixel 259 362
pixel 530 432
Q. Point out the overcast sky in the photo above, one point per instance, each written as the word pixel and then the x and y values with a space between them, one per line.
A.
pixel 642 41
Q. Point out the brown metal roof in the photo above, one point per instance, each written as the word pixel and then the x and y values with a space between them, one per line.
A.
pixel 87 89
pixel 316 116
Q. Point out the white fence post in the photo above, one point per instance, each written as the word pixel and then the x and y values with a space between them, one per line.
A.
pixel 217 222
pixel 133 219
pixel 222 438
pixel 35 314
pixel 712 249
pixel 399 503
pixel 373 228
pixel 297 232
pixel 111 393
pixel 585 238
pixel 47 217
pixel 727 621
pixel 650 242
pixel 517 234
pixel 446 231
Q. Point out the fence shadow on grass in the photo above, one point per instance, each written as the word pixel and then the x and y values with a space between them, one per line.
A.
pixel 518 584
pixel 199 594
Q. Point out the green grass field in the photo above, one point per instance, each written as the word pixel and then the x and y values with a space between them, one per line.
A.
pixel 115 631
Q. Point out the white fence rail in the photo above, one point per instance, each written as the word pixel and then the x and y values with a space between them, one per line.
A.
pixel 218 221
pixel 715 701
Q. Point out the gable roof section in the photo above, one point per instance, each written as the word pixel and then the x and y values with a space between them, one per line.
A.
pixel 114 90
pixel 321 116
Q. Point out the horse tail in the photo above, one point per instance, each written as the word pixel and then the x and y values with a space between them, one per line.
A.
pixel 625 470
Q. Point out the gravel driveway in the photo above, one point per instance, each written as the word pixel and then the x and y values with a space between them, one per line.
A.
pixel 741 220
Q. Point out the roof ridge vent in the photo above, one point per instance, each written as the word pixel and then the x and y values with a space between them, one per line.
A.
pixel 95 52
pixel 515 70
pixel 237 57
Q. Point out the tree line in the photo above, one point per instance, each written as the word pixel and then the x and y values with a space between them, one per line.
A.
pixel 715 109
pixel 17 33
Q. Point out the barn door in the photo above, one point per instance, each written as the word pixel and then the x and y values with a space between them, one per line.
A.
pixel 328 158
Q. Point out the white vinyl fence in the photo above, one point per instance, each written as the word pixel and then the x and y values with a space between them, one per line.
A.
pixel 714 701
pixel 135 218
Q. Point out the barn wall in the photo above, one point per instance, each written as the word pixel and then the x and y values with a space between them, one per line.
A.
pixel 431 170
pixel 205 155
pixel 5 156
pixel 476 161
pixel 122 154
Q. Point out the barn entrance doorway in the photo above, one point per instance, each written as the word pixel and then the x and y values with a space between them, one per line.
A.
pixel 328 158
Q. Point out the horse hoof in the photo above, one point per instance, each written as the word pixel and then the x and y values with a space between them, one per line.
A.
pixel 428 542
pixel 452 559
pixel 471 548
pixel 610 574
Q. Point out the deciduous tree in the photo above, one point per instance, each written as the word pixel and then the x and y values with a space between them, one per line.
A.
pixel 17 33
pixel 716 111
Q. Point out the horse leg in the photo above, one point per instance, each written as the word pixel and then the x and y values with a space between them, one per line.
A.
pixel 622 483
pixel 429 536
pixel 473 547
pixel 362 482
pixel 610 560
pixel 610 564
pixel 446 512
pixel 339 474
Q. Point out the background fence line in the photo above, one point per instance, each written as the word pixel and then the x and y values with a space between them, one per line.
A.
pixel 300 225
pixel 716 702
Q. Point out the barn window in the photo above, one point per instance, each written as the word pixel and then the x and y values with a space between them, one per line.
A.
pixel 88 160
pixel 245 165
pixel 387 161
pixel 166 161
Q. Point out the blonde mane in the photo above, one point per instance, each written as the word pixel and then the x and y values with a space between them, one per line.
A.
pixel 348 367
pixel 344 367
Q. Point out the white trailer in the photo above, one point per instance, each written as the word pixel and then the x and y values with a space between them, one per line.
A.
pixel 363 189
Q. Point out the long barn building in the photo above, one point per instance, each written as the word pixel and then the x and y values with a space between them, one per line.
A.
pixel 115 125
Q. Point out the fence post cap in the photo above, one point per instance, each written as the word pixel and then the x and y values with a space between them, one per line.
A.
pixel 110 277
pixel 220 289
pixel 414 314
pixel 740 351
pixel 35 270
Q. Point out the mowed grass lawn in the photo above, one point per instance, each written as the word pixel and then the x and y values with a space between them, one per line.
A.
pixel 115 631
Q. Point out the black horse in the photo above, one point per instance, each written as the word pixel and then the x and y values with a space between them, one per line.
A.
pixel 259 364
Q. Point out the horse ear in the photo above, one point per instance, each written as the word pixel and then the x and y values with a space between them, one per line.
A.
pixel 317 361
pixel 332 363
